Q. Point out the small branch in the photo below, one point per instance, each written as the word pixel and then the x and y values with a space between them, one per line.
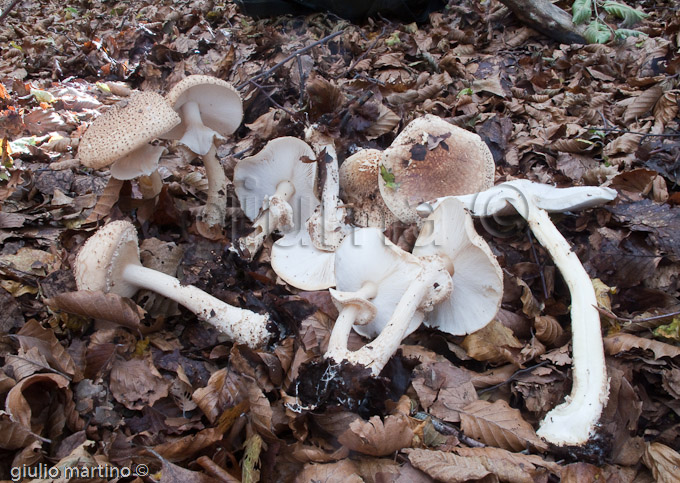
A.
pixel 9 8
pixel 626 131
pixel 365 53
pixel 512 378
pixel 540 267
pixel 269 72
pixel 550 20
pixel 271 99
pixel 449 430
pixel 660 318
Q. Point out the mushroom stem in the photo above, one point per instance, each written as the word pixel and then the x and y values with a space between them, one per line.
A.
pixel 337 344
pixel 432 284
pixel 215 208
pixel 326 225
pixel 277 214
pixel 150 186
pixel 573 421
pixel 197 137
pixel 240 325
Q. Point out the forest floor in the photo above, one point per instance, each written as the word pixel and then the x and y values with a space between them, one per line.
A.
pixel 145 383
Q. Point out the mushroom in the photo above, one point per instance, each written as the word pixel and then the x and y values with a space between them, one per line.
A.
pixel 359 188
pixel 372 275
pixel 429 159
pixel 299 263
pixel 109 262
pixel 574 421
pixel 120 137
pixel 476 276
pixel 209 108
pixel 276 190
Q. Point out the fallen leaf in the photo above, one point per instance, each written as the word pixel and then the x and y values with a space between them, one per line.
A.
pixel 497 424
pixel 99 305
pixel 137 383
pixel 626 342
pixel 376 437
pixel 663 461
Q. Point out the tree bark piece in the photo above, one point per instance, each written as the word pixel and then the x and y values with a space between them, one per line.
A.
pixel 550 20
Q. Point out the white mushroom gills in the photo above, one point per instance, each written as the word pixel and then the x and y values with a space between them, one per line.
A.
pixel 432 284
pixel 337 345
pixel 277 214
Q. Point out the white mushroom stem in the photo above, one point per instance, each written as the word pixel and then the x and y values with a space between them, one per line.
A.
pixel 201 140
pixel 276 214
pixel 337 344
pixel 327 226
pixel 240 325
pixel 573 421
pixel 150 186
pixel 432 285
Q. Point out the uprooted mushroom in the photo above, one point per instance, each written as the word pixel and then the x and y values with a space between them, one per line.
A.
pixel 574 421
pixel 422 285
pixel 210 109
pixel 121 138
pixel 109 262
pixel 276 190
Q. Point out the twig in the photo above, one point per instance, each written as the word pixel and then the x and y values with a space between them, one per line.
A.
pixel 269 72
pixel 271 99
pixel 612 315
pixel 512 378
pixel 626 131
pixel 9 8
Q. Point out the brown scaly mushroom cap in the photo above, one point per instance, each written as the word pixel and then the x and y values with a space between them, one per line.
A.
pixel 359 187
pixel 121 135
pixel 429 159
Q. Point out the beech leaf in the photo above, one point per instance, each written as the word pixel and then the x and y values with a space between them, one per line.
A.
pixel 99 305
pixel 626 342
pixel 497 424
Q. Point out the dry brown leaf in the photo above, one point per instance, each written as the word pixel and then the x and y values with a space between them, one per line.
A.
pixel 307 453
pixel 341 472
pixel 499 425
pixel 19 408
pixel 626 144
pixel 443 389
pixel 574 146
pixel 137 383
pixel 108 198
pixel 14 435
pixel 626 342
pixel 643 103
pixel 548 330
pixel 663 461
pixel 386 122
pixel 488 343
pixel 666 108
pixel 519 460
pixel 270 124
pixel 261 412
pixel 99 305
pixel 224 390
pixel 187 446
pixel 171 473
pixel 26 363
pixel 33 335
pixel 447 466
pixel 578 472
pixel 376 437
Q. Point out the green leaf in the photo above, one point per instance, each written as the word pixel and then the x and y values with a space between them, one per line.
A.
pixel 629 15
pixel 388 177
pixel 393 40
pixel 465 92
pixel 669 331
pixel 625 33
pixel 581 10
pixel 597 33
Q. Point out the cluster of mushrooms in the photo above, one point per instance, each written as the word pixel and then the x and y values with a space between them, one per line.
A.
pixel 434 175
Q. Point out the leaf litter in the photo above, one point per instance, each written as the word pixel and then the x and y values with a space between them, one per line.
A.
pixel 153 386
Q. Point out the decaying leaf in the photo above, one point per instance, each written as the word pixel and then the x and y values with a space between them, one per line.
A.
pixel 492 343
pixel 548 330
pixel 33 336
pixel 497 424
pixel 99 305
pixel 443 389
pixel 663 461
pixel 341 472
pixel 137 383
pixel 626 342
pixel 108 198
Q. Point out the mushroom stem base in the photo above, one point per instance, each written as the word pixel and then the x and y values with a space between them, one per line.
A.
pixel 215 208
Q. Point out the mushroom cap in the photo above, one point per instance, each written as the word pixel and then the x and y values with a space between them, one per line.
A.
pixel 367 256
pixel 359 186
pixel 432 158
pixel 299 263
pixel 256 177
pixel 100 262
pixel 219 103
pixel 477 277
pixel 126 127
